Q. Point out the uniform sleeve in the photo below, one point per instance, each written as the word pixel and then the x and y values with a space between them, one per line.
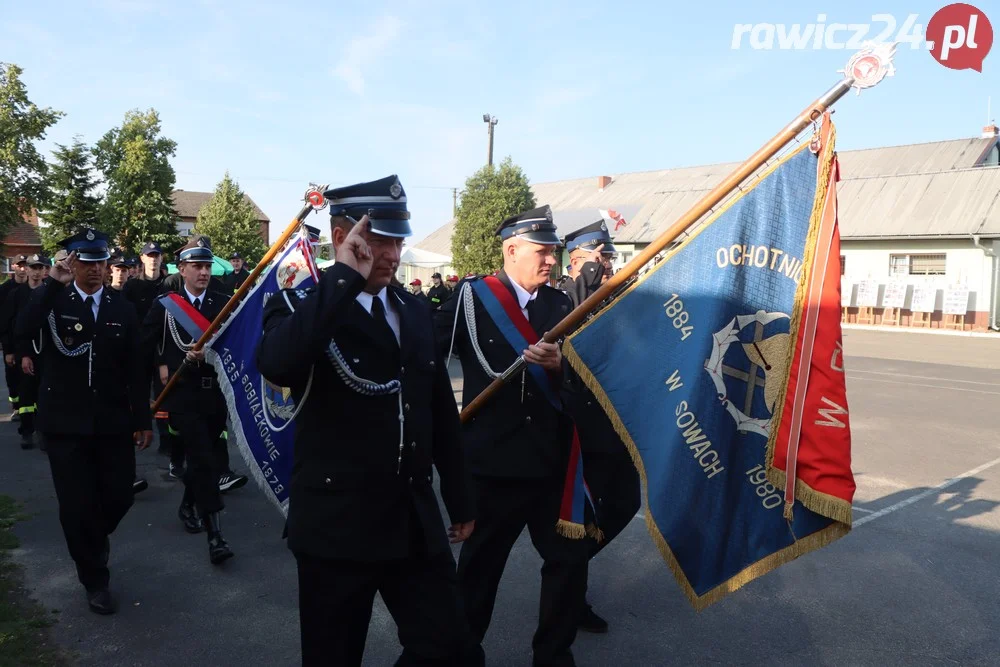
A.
pixel 449 456
pixel 293 340
pixel 8 312
pixel 34 313
pixel 444 322
pixel 138 374
pixel 151 335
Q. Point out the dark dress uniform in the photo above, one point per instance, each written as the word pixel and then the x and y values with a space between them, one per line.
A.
pixel 610 473
pixel 12 372
pixel 235 280
pixel 363 516
pixel 91 400
pixel 27 384
pixel 196 407
pixel 518 446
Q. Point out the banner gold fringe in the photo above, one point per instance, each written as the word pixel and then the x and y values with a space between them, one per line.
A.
pixel 817 501
pixel 573 531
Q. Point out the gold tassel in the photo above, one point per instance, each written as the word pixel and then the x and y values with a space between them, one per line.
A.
pixel 789 516
pixel 595 533
pixel 568 529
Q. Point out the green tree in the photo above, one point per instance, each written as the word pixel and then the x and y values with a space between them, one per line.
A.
pixel 23 171
pixel 230 221
pixel 135 161
pixel 72 205
pixel 490 196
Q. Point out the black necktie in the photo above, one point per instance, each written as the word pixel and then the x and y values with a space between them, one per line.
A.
pixel 378 314
pixel 532 312
pixel 89 302
pixel 197 304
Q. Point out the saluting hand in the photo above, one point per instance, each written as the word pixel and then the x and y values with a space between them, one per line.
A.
pixel 595 255
pixel 62 270
pixel 354 251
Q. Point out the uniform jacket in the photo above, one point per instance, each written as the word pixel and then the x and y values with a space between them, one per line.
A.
pixel 142 293
pixel 437 295
pixel 597 434
pixel 95 393
pixel 350 496
pixel 234 280
pixel 197 389
pixel 514 435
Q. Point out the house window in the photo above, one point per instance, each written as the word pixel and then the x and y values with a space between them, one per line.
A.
pixel 917 265
pixel 843 263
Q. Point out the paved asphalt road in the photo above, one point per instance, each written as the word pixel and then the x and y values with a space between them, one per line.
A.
pixel 916 583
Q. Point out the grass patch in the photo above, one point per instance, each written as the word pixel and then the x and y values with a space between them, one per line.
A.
pixel 23 622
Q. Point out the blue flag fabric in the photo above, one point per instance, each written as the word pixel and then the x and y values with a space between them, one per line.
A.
pixel 260 412
pixel 691 363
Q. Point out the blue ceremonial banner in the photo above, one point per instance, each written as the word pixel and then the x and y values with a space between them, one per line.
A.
pixel 261 413
pixel 692 363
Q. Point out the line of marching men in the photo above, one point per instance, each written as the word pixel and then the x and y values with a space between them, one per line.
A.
pixel 86 344
pixel 366 362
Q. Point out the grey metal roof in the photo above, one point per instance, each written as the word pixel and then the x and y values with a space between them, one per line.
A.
pixel 439 240
pixel 933 189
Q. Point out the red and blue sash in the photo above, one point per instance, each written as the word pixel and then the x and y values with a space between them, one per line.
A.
pixel 190 319
pixel 506 314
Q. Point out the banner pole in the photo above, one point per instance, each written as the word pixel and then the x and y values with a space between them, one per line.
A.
pixel 810 114
pixel 234 301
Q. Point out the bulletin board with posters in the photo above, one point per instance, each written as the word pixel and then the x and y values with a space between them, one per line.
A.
pixel 892 301
pixel 956 305
pixel 867 300
pixel 923 304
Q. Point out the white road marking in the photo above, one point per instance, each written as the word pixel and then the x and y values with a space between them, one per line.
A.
pixel 925 494
pixel 921 377
pixel 881 481
pixel 932 386
pixel 862 509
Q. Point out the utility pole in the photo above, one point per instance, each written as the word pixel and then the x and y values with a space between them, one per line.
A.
pixel 454 202
pixel 491 122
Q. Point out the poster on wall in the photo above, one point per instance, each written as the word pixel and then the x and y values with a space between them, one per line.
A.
pixel 867 293
pixel 894 295
pixel 846 291
pixel 956 300
pixel 924 299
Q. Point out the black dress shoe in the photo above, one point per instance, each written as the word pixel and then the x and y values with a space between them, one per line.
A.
pixel 218 549
pixel 27 440
pixel 591 622
pixel 100 602
pixel 139 485
pixel 188 515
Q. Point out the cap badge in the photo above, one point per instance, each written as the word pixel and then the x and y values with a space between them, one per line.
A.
pixel 90 235
pixel 604 227
pixel 201 243
pixel 396 189
pixel 548 214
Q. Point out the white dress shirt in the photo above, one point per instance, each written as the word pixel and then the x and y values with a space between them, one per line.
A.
pixel 192 297
pixel 523 297
pixel 365 299
pixel 96 295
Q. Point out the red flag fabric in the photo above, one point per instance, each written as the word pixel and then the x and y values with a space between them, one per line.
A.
pixel 812 447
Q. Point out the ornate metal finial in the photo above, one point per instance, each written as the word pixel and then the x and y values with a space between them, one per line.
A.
pixel 314 195
pixel 870 65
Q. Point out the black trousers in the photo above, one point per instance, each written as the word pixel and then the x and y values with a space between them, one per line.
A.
pixel 27 390
pixel 505 507
pixel 614 485
pixel 93 480
pixel 421 593
pixel 200 434
pixel 12 374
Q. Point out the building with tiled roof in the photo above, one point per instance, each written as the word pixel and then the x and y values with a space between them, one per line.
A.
pixel 22 239
pixel 187 204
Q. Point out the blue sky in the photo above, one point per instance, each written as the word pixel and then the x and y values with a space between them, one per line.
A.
pixel 281 94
